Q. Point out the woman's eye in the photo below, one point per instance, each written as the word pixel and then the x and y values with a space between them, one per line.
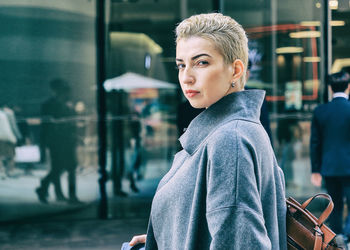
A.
pixel 180 66
pixel 201 63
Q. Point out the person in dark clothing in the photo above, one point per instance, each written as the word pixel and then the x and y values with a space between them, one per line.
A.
pixel 58 134
pixel 330 149
pixel 136 159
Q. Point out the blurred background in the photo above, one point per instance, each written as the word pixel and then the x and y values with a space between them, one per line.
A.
pixel 120 112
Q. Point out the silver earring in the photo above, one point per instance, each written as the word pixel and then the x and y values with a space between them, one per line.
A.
pixel 233 84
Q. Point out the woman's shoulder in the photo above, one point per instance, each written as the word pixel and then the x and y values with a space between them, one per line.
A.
pixel 226 131
pixel 234 129
pixel 236 132
pixel 225 136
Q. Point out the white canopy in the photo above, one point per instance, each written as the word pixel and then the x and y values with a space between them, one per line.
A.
pixel 129 81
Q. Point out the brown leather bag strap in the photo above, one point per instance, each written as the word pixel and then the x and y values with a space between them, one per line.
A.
pixel 318 240
pixel 326 212
pixel 311 218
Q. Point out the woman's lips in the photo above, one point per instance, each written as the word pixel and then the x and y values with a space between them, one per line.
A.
pixel 191 93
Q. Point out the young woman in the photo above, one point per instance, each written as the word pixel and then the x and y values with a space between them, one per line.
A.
pixel 225 189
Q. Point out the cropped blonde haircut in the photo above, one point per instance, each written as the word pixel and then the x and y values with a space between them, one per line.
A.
pixel 227 35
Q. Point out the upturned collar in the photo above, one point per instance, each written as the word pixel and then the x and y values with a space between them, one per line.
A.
pixel 243 105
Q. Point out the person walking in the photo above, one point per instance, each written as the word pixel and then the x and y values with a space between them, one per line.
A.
pixel 59 135
pixel 330 149
pixel 224 189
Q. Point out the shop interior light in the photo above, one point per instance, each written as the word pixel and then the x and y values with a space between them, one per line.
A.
pixel 310 23
pixel 318 23
pixel 289 50
pixel 305 34
pixel 281 60
pixel 337 23
pixel 312 59
pixel 134 41
pixel 333 4
pixel 339 64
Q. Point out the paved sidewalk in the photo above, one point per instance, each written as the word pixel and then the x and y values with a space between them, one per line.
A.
pixel 71 234
pixel 79 228
pixel 58 226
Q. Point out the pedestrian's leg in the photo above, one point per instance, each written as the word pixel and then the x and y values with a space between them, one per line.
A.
pixel 57 169
pixel 58 188
pixel 136 161
pixel 72 184
pixel 42 190
pixel 334 189
pixel 45 182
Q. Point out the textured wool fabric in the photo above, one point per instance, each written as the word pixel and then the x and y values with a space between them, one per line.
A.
pixel 225 189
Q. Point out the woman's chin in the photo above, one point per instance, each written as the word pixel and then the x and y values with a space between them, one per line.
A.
pixel 196 105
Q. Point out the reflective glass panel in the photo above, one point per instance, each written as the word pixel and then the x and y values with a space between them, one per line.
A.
pixel 285 55
pixel 48 138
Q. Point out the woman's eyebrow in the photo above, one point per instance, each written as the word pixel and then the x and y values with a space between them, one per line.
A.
pixel 200 55
pixel 194 57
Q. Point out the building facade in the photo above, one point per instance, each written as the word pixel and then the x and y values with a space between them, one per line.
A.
pixel 117 59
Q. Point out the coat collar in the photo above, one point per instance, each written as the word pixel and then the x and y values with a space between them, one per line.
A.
pixel 243 105
pixel 340 94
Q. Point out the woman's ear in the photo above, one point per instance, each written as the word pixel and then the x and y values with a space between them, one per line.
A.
pixel 238 70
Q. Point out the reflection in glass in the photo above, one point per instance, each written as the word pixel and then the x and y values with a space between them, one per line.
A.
pixel 284 49
pixel 40 42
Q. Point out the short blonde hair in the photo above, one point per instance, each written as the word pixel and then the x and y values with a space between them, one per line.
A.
pixel 227 35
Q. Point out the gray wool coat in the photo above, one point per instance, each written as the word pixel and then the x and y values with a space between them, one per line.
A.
pixel 225 189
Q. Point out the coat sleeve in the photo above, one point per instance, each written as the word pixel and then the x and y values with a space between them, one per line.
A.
pixel 315 145
pixel 234 210
pixel 151 243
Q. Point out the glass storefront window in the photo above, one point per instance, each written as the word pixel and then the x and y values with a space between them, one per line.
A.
pixel 340 38
pixel 285 47
pixel 49 150
pixel 142 96
pixel 45 44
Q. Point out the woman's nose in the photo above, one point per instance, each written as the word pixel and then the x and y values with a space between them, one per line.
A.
pixel 187 76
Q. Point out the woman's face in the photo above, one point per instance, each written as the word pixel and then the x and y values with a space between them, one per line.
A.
pixel 204 76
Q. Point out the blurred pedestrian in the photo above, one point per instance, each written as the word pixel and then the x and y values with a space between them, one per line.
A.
pixel 136 157
pixel 330 149
pixel 225 189
pixel 58 134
